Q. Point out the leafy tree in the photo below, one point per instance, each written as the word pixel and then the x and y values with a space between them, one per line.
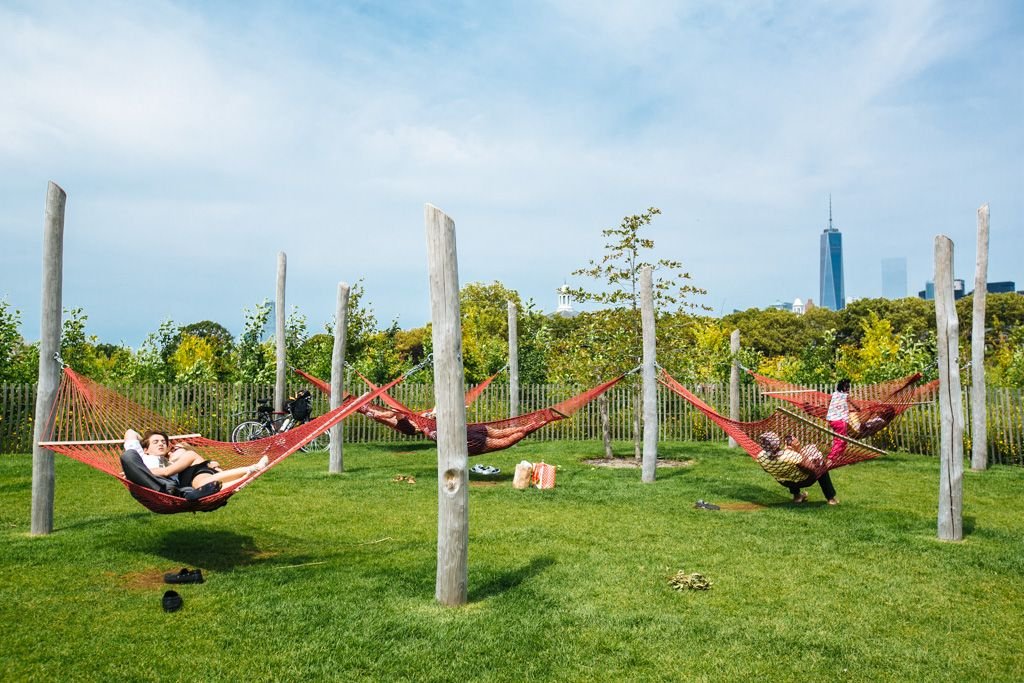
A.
pixel 257 362
pixel 18 360
pixel 194 360
pixel 221 343
pixel 618 271
pixel 154 356
pixel 78 349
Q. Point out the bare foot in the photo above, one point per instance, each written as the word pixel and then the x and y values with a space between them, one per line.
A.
pixel 800 497
pixel 833 501
pixel 259 465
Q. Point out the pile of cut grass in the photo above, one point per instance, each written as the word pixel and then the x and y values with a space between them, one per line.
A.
pixel 312 577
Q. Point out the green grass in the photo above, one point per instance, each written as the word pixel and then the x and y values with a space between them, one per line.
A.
pixel 312 577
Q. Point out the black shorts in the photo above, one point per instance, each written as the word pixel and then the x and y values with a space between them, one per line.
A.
pixel 186 476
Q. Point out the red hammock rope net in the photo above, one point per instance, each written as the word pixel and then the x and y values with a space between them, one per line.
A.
pixel 89 422
pixel 872 406
pixel 481 437
pixel 789 447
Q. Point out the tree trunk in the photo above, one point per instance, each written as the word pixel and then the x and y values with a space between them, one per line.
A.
pixel 281 377
pixel 650 382
pixel 734 381
pixel 950 517
pixel 606 424
pixel 979 417
pixel 43 478
pixel 336 464
pixel 451 587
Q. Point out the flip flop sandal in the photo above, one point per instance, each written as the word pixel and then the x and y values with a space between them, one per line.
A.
pixel 186 575
pixel 172 601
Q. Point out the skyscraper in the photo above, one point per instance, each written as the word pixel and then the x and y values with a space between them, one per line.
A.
pixel 894 278
pixel 833 292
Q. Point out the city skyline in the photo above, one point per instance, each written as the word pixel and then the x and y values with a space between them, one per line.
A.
pixel 197 140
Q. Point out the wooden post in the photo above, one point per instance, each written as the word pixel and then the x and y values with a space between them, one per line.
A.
pixel 513 360
pixel 950 404
pixel 650 382
pixel 979 415
pixel 49 369
pixel 452 453
pixel 734 381
pixel 337 463
pixel 281 379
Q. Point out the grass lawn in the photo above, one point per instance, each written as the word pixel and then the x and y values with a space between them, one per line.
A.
pixel 312 577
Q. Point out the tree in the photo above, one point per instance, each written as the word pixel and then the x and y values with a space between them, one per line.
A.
pixel 619 273
pixel 18 360
pixel 221 344
pixel 256 359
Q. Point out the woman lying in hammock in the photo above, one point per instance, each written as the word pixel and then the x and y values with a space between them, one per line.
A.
pixel 186 467
pixel 795 467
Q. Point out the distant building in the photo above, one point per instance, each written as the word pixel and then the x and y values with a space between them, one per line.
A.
pixel 798 306
pixel 928 293
pixel 1007 287
pixel 565 309
pixel 832 289
pixel 894 278
pixel 782 306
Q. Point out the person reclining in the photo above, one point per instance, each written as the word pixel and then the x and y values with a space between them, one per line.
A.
pixel 177 466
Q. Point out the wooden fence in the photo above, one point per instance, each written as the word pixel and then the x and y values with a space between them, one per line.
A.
pixel 214 409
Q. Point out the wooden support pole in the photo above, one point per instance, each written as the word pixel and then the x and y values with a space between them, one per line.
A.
pixel 649 465
pixel 513 360
pixel 336 463
pixel 451 587
pixel 281 378
pixel 734 381
pixel 979 416
pixel 49 370
pixel 950 517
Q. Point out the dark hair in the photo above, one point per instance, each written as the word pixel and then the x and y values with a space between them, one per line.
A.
pixel 843 385
pixel 152 433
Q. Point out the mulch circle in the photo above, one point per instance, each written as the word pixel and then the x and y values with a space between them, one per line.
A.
pixel 633 463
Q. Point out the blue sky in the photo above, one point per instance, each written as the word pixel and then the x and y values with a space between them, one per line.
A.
pixel 197 140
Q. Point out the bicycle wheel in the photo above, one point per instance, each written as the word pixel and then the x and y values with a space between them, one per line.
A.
pixel 320 444
pixel 249 430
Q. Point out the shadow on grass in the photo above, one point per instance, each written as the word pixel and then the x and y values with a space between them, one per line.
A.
pixel 214 549
pixel 103 520
pixel 502 581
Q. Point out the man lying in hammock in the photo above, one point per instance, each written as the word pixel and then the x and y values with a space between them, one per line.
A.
pixel 184 466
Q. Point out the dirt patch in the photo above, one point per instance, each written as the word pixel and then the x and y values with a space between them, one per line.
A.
pixel 482 484
pixel 742 507
pixel 632 463
pixel 147 580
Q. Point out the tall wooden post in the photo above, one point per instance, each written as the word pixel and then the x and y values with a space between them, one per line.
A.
pixel 49 369
pixel 513 360
pixel 734 381
pixel 281 378
pixel 650 382
pixel 452 453
pixel 337 463
pixel 951 475
pixel 979 427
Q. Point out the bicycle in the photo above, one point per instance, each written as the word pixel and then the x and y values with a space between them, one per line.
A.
pixel 267 422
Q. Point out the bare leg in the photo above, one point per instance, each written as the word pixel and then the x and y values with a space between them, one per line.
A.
pixel 229 477
pixel 181 460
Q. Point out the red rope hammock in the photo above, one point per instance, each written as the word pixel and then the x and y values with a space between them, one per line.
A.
pixel 789 447
pixel 90 421
pixel 481 437
pixel 872 406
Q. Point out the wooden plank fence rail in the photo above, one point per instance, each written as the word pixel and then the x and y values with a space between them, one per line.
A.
pixel 214 409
